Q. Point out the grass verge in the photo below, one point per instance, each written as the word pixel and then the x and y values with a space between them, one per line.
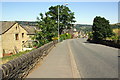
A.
pixel 8 58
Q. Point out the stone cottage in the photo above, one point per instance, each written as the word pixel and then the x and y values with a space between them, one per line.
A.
pixel 13 36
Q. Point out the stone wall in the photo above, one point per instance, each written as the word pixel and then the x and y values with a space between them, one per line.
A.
pixel 20 67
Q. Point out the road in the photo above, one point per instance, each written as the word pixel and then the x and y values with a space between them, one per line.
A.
pixel 95 60
pixel 76 58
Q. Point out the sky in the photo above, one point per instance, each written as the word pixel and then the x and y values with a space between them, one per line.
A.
pixel 85 12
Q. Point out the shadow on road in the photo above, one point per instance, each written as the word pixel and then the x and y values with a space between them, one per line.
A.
pixel 87 42
pixel 90 42
pixel 102 44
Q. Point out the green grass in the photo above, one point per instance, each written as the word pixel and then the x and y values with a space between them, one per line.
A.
pixel 8 58
pixel 116 36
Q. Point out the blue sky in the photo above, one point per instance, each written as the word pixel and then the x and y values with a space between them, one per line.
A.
pixel 84 11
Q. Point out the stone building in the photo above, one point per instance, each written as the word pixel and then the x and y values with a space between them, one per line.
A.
pixel 13 36
pixel 72 31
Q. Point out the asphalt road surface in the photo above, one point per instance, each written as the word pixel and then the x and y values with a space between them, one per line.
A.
pixel 76 58
pixel 94 60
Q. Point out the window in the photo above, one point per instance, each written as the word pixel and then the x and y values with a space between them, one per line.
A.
pixel 22 35
pixel 23 42
pixel 16 37
pixel 16 27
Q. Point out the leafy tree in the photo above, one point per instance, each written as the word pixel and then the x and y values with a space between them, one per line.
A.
pixel 101 28
pixel 48 29
pixel 48 23
pixel 66 17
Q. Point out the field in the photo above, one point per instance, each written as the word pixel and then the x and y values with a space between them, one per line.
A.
pixel 117 31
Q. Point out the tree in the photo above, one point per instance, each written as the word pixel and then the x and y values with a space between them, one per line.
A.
pixel 48 29
pixel 101 28
pixel 48 23
pixel 66 17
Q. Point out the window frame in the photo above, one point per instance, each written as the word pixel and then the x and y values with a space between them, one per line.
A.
pixel 16 36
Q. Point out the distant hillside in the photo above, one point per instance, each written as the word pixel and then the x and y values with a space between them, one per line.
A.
pixel 83 27
pixel 88 28
pixel 29 23
pixel 114 26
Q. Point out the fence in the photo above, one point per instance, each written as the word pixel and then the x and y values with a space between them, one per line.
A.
pixel 20 67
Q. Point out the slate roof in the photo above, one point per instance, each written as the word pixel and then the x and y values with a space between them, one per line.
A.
pixel 30 29
pixel 6 25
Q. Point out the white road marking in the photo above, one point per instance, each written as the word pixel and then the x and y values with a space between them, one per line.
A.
pixel 83 43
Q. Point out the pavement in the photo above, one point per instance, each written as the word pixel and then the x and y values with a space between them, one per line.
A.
pixel 59 63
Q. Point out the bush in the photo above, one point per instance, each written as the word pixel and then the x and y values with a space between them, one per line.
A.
pixel 65 36
pixel 114 37
pixel 90 36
